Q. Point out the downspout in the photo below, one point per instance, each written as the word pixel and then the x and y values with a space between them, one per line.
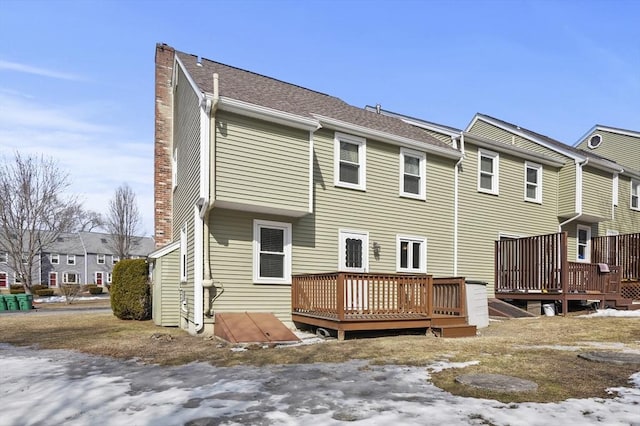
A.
pixel 456 171
pixel 207 282
pixel 579 167
pixel 86 262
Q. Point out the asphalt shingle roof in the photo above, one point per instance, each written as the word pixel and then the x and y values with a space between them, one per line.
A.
pixel 247 86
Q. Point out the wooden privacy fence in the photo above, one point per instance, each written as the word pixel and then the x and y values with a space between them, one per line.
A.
pixel 345 296
pixel 623 250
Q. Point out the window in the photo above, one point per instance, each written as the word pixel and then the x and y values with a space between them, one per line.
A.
pixel 109 277
pixel 54 258
pixel 25 258
pixel 354 251
pixel 174 168
pixel 488 172
pixel 411 254
pixel 271 252
pixel 183 253
pixel 412 174
pixel 71 259
pixel 53 279
pixel 584 243
pixel 99 278
pixel 533 182
pixel 350 161
pixel 71 278
pixel 115 259
pixel 594 141
pixel 635 195
pixel 100 259
pixel 17 278
pixel 3 256
pixel 3 279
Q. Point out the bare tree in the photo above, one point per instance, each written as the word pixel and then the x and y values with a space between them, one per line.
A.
pixel 123 220
pixel 33 211
pixel 88 220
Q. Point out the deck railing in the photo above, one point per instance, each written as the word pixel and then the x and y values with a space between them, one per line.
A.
pixel 623 250
pixel 589 278
pixel 344 296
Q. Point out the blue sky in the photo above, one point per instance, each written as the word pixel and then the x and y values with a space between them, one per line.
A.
pixel 76 77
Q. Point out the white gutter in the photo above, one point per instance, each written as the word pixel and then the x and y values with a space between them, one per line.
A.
pixel 267 114
pixel 386 137
pixel 86 259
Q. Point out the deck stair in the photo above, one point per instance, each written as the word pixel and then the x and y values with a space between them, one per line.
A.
pixel 623 304
pixel 452 327
pixel 500 308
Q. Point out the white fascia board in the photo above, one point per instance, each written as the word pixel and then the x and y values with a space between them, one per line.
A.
pixel 164 250
pixel 598 127
pixel 432 127
pixel 267 114
pixel 583 137
pixel 390 138
pixel 191 81
pixel 513 150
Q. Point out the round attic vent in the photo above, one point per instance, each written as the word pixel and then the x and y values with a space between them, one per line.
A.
pixel 594 141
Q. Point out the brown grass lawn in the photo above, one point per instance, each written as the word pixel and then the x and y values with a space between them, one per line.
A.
pixel 525 348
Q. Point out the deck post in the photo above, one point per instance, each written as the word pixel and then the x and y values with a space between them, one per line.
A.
pixel 340 296
pixel 564 272
pixel 430 295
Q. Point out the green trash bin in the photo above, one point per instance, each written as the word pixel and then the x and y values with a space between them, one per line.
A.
pixel 25 301
pixel 3 304
pixel 12 302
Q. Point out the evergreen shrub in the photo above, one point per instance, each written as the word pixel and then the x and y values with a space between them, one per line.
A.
pixel 130 290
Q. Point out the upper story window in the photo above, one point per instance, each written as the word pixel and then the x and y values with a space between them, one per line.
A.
pixel 411 254
pixel 3 257
pixel 533 182
pixel 594 141
pixel 71 259
pixel 25 258
pixel 412 174
pixel 100 259
pixel 115 259
pixel 54 258
pixel 488 171
pixel 635 195
pixel 271 252
pixel 350 161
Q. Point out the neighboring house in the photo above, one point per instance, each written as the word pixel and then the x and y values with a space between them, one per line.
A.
pixel 74 258
pixel 257 180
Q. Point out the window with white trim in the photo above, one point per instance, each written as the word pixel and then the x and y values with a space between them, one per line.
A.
pixel 533 182
pixel 71 259
pixel 100 259
pixel 488 171
pixel 412 173
pixel 109 277
pixel 354 251
pixel 17 278
pixel 411 254
pixel 635 194
pixel 350 161
pixel 583 251
pixel 115 259
pixel 183 253
pixel 4 257
pixel 25 258
pixel 54 258
pixel 71 278
pixel 271 252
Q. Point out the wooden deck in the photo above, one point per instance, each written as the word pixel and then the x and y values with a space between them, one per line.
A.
pixel 537 268
pixel 358 302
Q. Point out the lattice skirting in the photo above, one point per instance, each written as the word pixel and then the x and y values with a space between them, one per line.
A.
pixel 630 290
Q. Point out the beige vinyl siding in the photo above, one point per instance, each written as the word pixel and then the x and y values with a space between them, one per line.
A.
pixel 380 211
pixel 596 192
pixel 625 220
pixel 483 217
pixel 186 138
pixel 260 163
pixel 496 133
pixel 166 298
pixel 440 136
pixel 567 190
pixel 622 149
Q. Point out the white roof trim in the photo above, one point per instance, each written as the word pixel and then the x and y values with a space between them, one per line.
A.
pixel 164 250
pixel 192 82
pixel 598 127
pixel 432 127
pixel 386 137
pixel 513 150
pixel 267 114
